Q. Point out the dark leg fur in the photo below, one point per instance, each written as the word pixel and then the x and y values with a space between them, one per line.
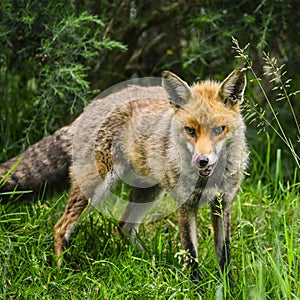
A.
pixel 221 220
pixel 187 222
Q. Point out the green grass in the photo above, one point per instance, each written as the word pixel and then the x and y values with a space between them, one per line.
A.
pixel 265 251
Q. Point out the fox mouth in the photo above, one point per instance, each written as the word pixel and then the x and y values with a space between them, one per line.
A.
pixel 204 165
pixel 204 172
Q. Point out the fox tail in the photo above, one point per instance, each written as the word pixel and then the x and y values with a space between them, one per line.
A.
pixel 46 162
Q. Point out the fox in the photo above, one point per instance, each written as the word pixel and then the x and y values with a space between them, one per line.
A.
pixel 186 140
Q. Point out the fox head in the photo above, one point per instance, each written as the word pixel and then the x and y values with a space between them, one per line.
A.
pixel 206 115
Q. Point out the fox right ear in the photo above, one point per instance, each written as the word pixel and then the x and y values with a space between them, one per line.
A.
pixel 178 91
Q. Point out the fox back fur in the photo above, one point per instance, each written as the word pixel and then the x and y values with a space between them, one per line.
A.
pixel 187 140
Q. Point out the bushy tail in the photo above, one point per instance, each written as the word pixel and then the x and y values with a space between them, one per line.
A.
pixel 46 162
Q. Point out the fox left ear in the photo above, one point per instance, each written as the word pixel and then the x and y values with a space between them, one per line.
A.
pixel 178 91
pixel 232 88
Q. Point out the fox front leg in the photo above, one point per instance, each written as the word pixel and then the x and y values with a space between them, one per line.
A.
pixel 221 220
pixel 187 222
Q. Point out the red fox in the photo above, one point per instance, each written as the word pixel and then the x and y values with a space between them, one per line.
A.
pixel 187 140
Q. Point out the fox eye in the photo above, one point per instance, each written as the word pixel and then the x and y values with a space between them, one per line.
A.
pixel 217 130
pixel 190 131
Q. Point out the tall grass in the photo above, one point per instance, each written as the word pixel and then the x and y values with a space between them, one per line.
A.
pixel 276 75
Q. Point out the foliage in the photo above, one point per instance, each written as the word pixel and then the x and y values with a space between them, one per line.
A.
pixel 265 24
pixel 47 50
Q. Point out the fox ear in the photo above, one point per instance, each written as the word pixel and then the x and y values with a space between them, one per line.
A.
pixel 232 88
pixel 177 90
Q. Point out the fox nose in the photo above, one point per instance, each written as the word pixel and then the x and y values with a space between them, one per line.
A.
pixel 203 161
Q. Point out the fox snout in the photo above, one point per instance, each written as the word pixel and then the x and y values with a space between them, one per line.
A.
pixel 204 164
pixel 202 161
